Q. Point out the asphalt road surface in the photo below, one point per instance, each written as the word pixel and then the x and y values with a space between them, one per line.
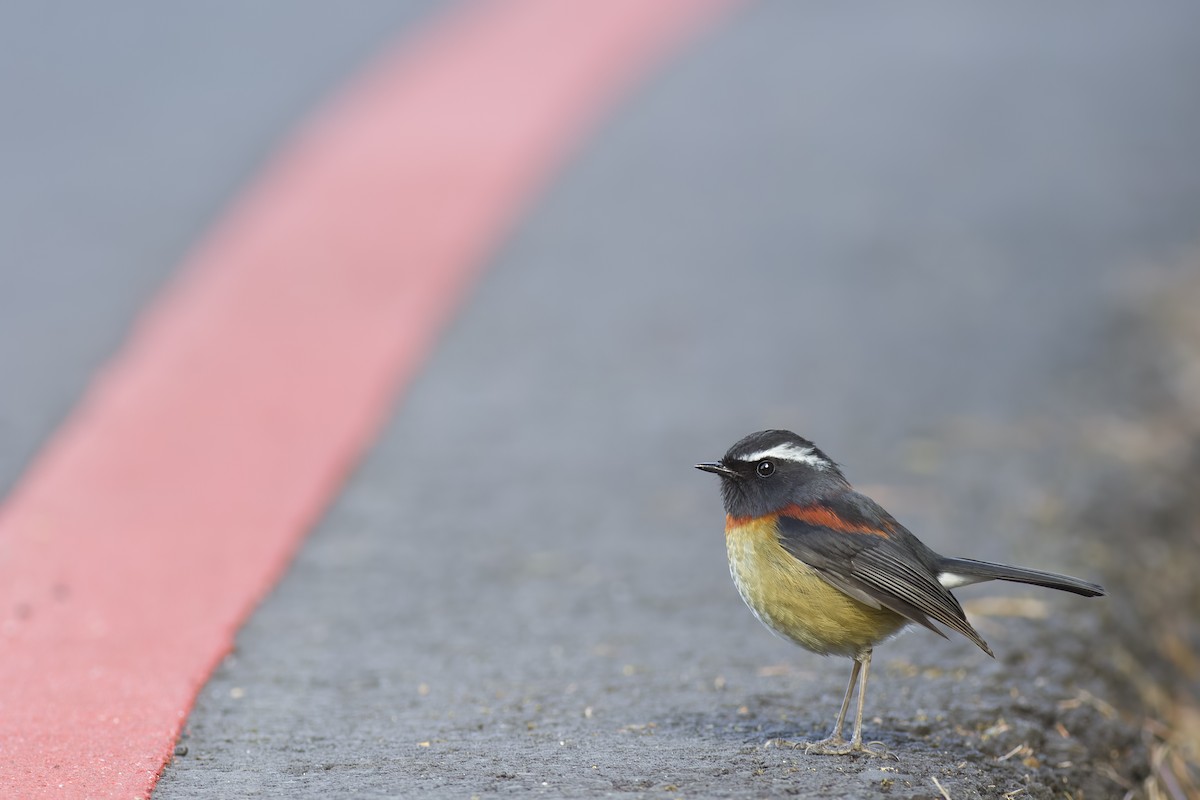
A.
pixel 900 232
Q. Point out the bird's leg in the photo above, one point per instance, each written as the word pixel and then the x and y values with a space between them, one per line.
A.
pixel 845 701
pixel 834 744
pixel 836 735
pixel 835 738
pixel 856 737
pixel 856 741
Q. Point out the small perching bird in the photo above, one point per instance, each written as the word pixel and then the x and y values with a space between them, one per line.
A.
pixel 831 570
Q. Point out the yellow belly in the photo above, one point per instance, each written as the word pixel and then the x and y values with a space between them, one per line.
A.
pixel 792 599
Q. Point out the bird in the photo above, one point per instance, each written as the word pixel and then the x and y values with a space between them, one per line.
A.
pixel 829 569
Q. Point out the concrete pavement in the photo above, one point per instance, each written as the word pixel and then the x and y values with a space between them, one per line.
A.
pixel 900 234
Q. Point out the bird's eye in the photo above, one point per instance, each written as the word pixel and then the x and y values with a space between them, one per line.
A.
pixel 765 469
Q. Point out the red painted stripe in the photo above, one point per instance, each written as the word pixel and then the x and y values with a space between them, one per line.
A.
pixel 167 505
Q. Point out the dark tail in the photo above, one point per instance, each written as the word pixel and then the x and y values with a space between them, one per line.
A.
pixel 962 571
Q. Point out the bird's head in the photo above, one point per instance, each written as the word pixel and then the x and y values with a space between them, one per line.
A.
pixel 770 470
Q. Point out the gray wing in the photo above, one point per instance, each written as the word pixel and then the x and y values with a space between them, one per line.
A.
pixel 874 559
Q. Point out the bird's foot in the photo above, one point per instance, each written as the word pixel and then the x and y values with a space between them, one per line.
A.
pixel 836 746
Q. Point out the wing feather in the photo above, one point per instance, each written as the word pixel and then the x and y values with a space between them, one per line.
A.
pixel 873 559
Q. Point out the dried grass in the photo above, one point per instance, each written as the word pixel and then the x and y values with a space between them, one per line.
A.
pixel 1154 546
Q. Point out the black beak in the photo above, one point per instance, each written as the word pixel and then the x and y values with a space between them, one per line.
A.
pixel 717 468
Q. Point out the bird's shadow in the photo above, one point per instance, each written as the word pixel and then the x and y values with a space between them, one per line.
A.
pixel 758 722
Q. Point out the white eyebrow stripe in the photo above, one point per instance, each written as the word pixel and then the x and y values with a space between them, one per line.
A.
pixel 790 452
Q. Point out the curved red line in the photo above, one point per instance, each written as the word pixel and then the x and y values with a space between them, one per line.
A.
pixel 170 501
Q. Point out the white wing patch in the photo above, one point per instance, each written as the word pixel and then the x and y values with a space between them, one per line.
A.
pixel 950 580
pixel 789 452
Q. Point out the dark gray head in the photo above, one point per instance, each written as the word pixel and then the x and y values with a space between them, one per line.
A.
pixel 770 470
